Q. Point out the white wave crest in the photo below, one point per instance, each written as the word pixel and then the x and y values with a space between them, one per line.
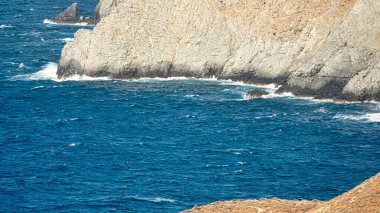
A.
pixel 270 87
pixel 38 87
pixel 10 62
pixel 191 96
pixel 154 200
pixel 321 110
pixel 160 79
pixel 5 26
pixel 22 66
pixel 335 101
pixel 234 83
pixel 160 199
pixel 66 39
pixel 84 78
pixel 281 95
pixel 369 117
pixel 47 21
pixel 47 73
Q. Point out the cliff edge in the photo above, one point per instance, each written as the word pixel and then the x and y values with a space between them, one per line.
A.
pixel 324 49
pixel 363 198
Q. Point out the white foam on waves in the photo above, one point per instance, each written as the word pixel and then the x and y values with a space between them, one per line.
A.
pixel 22 66
pixel 85 78
pixel 5 26
pixel 66 39
pixel 269 87
pixel 369 117
pixel 281 95
pixel 159 79
pixel 154 199
pixel 49 72
pixel 38 87
pixel 48 21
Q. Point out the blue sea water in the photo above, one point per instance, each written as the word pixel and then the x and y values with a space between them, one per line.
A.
pixel 155 145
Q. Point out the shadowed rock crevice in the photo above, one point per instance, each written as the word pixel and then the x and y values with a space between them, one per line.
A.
pixel 332 89
pixel 70 69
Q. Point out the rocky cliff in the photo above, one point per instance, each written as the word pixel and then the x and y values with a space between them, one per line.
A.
pixel 320 48
pixel 363 198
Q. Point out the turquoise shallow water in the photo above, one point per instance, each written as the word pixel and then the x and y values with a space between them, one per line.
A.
pixel 154 145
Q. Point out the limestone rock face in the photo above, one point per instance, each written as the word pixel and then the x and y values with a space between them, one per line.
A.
pixel 326 49
pixel 103 8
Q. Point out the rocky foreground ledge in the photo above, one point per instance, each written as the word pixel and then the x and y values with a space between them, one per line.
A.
pixel 324 49
pixel 363 198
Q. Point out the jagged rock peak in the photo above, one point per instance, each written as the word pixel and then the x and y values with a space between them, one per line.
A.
pixel 70 14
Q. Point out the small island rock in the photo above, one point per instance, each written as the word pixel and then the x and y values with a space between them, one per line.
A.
pixel 69 15
pixel 255 94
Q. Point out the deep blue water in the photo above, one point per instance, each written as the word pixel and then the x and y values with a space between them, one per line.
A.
pixel 159 145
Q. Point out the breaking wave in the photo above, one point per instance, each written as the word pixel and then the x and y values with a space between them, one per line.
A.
pixel 268 87
pixel 5 26
pixel 154 199
pixel 66 39
pixel 369 117
pixel 49 72
pixel 22 66
pixel 160 79
pixel 280 95
pixel 48 21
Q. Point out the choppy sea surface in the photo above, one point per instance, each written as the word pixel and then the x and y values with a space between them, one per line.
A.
pixel 159 145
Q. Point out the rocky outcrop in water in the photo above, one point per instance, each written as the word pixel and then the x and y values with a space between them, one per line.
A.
pixel 325 49
pixel 255 94
pixel 363 198
pixel 70 16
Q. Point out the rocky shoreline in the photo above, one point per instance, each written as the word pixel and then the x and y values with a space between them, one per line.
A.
pixel 363 198
pixel 326 49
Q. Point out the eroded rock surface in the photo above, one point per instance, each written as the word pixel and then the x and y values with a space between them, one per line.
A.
pixel 325 49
